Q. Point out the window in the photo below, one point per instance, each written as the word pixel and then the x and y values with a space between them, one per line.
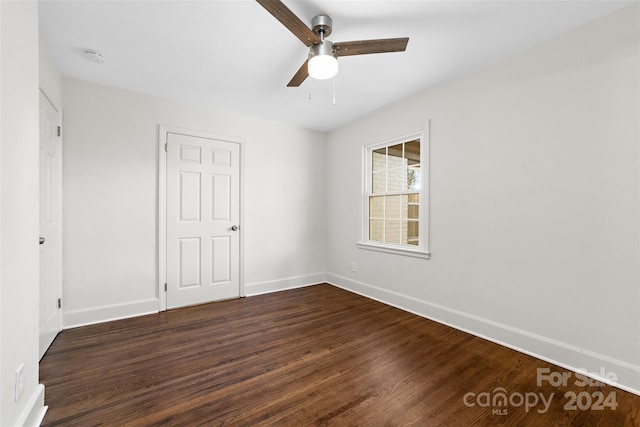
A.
pixel 395 196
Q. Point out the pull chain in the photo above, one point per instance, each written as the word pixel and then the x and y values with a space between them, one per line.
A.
pixel 334 91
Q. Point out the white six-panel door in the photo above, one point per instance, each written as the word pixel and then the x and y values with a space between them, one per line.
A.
pixel 50 225
pixel 202 217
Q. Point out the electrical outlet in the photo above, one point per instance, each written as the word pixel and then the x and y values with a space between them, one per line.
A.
pixel 19 388
pixel 354 267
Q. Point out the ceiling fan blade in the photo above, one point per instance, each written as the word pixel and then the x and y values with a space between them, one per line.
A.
pixel 287 18
pixel 300 76
pixel 363 47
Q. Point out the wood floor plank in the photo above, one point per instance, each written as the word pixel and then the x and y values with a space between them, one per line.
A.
pixel 312 356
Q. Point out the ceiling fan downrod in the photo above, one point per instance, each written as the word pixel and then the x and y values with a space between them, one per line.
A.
pixel 322 25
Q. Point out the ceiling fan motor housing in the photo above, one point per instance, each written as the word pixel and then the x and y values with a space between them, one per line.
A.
pixel 324 48
pixel 321 25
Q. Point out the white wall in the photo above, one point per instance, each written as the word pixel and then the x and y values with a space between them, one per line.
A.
pixel 19 211
pixel 534 202
pixel 110 199
pixel 50 78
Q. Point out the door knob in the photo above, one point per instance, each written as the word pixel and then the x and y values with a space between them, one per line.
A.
pixel 234 228
pixel 42 240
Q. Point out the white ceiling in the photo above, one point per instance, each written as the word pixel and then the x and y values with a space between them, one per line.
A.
pixel 233 55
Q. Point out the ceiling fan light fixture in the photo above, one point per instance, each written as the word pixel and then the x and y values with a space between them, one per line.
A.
pixel 322 62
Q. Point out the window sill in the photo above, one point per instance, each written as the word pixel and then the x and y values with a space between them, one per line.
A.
pixel 396 250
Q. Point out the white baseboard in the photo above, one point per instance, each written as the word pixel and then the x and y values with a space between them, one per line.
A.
pixel 258 288
pixel 34 411
pixel 106 313
pixel 564 355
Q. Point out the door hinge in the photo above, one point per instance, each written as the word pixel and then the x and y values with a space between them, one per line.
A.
pixel 165 287
pixel 59 302
pixel 59 131
pixel 165 148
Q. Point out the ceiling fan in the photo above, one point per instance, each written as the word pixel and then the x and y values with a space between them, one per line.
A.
pixel 322 62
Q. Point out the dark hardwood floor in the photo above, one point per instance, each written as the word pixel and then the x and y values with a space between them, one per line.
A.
pixel 312 356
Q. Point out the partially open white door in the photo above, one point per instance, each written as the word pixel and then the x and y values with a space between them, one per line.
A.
pixel 50 225
pixel 203 213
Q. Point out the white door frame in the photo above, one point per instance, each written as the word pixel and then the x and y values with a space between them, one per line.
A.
pixel 58 207
pixel 163 132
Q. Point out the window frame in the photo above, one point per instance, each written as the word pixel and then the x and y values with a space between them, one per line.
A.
pixel 422 249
